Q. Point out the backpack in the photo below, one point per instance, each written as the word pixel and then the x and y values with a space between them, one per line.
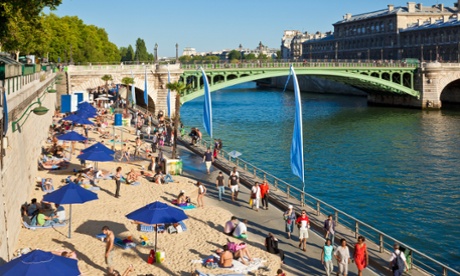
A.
pixel 398 263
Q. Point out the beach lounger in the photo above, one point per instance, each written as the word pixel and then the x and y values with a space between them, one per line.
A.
pixel 151 228
pixel 42 166
pixel 43 186
pixel 34 227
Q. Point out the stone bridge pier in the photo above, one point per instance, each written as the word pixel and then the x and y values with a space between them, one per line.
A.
pixel 82 78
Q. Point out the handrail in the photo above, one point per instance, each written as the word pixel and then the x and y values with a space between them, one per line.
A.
pixel 358 223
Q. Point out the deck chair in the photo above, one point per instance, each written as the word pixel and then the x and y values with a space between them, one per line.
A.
pixel 151 228
pixel 34 227
pixel 43 166
pixel 44 187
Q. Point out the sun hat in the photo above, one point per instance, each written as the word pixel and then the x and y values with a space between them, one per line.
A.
pixel 290 207
pixel 182 191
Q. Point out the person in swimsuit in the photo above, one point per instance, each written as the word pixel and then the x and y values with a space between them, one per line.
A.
pixel 226 258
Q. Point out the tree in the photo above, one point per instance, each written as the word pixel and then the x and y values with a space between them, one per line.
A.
pixel 107 78
pixel 278 55
pixel 234 54
pixel 179 87
pixel 130 54
pixel 250 57
pixel 185 59
pixel 127 81
pixel 141 53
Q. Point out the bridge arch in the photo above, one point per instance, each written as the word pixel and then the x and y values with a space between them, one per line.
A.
pixel 450 90
pixel 350 77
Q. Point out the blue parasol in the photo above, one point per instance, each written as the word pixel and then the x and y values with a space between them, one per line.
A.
pixel 70 194
pixel 42 263
pixel 98 147
pixel 157 213
pixel 71 136
pixel 77 120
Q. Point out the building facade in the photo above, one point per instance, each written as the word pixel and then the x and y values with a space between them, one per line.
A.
pixel 413 31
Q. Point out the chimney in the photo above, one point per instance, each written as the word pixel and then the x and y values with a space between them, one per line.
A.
pixel 411 7
pixel 420 22
pixel 420 6
pixel 432 20
pixel 441 7
pixel 445 18
pixel 348 16
pixel 392 7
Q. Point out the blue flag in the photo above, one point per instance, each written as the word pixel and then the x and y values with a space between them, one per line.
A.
pixel 297 160
pixel 168 98
pixel 207 107
pixel 5 114
pixel 146 84
pixel 133 93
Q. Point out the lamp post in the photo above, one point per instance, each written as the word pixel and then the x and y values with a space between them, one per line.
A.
pixel 421 52
pixel 336 51
pixel 437 53
pixel 368 55
pixel 177 53
pixel 156 52
pixel 381 55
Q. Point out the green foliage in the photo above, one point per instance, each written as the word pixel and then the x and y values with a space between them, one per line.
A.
pixel 250 57
pixel 278 55
pixel 127 54
pixel 198 59
pixel 177 86
pixel 234 54
pixel 72 40
pixel 141 53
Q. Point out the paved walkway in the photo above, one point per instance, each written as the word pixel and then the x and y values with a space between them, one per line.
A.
pixel 261 223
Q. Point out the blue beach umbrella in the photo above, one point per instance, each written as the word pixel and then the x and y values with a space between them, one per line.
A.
pixel 70 194
pixel 71 136
pixel 157 213
pixel 86 113
pixel 38 262
pixel 96 155
pixel 86 106
pixel 78 120
pixel 98 147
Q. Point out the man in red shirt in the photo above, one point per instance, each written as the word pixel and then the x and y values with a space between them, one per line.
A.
pixel 264 190
pixel 303 223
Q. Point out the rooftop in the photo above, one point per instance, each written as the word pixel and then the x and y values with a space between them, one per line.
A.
pixel 432 25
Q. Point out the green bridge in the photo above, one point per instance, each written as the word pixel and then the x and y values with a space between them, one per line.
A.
pixel 371 77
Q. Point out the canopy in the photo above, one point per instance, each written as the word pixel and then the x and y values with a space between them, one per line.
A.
pixel 38 262
pixel 98 147
pixel 70 194
pixel 96 155
pixel 71 136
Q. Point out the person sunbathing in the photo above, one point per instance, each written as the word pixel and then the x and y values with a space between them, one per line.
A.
pixel 147 174
pixel 43 220
pixel 132 176
pixel 240 251
pixel 182 199
pixel 225 258
pixel 48 185
pixel 67 254
pixel 159 178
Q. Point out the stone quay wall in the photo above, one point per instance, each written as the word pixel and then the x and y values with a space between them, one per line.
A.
pixel 17 178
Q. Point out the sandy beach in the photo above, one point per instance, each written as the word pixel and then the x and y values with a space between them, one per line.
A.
pixel 203 235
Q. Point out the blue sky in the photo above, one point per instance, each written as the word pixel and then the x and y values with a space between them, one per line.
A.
pixel 211 25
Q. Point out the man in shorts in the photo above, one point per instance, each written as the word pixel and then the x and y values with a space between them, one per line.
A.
pixel 109 248
pixel 233 182
pixel 342 255
pixel 208 158
pixel 303 223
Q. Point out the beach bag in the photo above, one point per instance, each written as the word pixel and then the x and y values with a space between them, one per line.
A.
pixel 250 201
pixel 151 258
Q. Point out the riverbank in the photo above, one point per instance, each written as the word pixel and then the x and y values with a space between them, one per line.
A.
pixel 202 237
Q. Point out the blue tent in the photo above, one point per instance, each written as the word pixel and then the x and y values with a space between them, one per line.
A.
pixel 70 194
pixel 41 263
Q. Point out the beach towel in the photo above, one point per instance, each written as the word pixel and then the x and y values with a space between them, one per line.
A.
pixel 34 227
pixel 137 183
pixel 188 207
pixel 43 186
pixel 199 273
pixel 118 241
pixel 237 266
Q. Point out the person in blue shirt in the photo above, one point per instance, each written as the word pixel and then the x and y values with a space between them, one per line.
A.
pixel 326 257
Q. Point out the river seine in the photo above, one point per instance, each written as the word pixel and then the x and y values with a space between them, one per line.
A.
pixel 395 169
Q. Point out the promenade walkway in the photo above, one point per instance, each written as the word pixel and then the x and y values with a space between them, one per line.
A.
pixel 261 223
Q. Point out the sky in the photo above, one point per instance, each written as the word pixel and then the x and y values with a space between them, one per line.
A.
pixel 213 25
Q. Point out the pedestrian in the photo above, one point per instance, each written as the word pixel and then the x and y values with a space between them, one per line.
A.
pixel 342 254
pixel 303 223
pixel 280 272
pixel 271 244
pixel 233 182
pixel 326 257
pixel 398 262
pixel 201 193
pixel 154 142
pixel 118 177
pixel 360 255
pixel 124 152
pixel 148 129
pixel 264 191
pixel 208 159
pixel 255 196
pixel 329 228
pixel 137 148
pixel 109 242
pixel 220 185
pixel 289 218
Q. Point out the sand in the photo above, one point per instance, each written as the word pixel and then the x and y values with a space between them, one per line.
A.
pixel 203 236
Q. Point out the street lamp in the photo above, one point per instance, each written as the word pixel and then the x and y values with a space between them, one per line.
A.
pixel 156 52
pixel 381 55
pixel 421 52
pixel 177 52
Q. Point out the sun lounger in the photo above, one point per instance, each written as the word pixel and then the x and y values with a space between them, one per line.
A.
pixel 44 186
pixel 34 227
pixel 151 228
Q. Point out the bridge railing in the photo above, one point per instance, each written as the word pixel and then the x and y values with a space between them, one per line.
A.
pixel 317 63
pixel 385 242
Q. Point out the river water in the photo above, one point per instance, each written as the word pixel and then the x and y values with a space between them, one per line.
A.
pixel 395 169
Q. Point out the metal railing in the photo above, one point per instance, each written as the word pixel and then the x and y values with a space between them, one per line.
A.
pixel 385 242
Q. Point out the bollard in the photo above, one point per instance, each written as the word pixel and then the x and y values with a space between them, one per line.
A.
pixel 245 166
pixel 318 208
pixel 336 217
pixel 255 171
pixel 381 246
pixel 276 184
pixel 288 191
